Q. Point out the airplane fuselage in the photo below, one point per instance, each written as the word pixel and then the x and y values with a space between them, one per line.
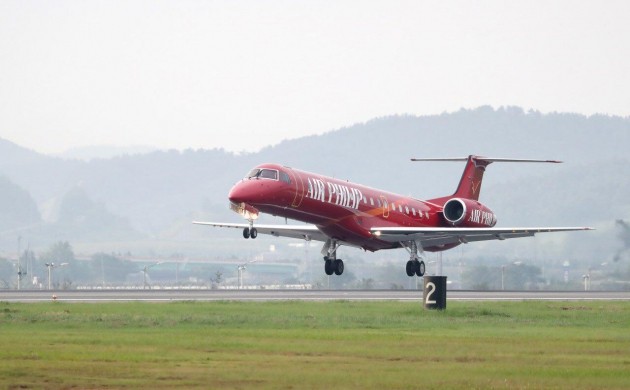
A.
pixel 341 209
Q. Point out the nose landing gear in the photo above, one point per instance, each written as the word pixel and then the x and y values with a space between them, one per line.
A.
pixel 250 232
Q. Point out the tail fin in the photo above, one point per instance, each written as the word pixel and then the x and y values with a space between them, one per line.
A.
pixel 470 184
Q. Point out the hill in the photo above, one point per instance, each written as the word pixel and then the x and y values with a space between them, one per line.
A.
pixel 155 195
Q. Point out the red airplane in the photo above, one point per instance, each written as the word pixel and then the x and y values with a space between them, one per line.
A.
pixel 343 213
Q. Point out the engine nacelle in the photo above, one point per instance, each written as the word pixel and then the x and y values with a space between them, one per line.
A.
pixel 468 213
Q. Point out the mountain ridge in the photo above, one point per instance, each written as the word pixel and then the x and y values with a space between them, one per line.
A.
pixel 160 189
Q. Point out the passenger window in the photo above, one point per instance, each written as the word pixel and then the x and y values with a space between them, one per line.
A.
pixel 406 209
pixel 393 207
pixel 371 202
pixel 413 211
pixel 400 208
pixel 379 202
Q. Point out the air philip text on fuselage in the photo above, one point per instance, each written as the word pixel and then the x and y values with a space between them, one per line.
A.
pixel 333 193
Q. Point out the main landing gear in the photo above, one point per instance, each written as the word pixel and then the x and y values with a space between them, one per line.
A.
pixel 332 265
pixel 415 266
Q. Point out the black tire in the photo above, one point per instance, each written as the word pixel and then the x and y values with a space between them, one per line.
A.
pixel 253 233
pixel 328 267
pixel 246 233
pixel 339 267
pixel 421 268
pixel 411 268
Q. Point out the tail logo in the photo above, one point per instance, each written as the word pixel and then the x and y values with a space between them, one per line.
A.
pixel 475 186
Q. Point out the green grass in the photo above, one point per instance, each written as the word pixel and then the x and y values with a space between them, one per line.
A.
pixel 315 345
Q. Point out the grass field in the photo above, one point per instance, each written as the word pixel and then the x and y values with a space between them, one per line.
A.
pixel 315 345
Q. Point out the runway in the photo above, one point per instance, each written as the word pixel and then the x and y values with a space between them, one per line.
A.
pixel 296 295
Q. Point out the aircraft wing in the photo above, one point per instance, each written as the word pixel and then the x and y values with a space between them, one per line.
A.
pixel 304 232
pixel 429 236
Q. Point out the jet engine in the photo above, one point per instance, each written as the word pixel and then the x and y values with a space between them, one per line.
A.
pixel 468 213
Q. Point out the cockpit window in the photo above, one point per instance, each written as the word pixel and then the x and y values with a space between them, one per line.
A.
pixel 262 173
pixel 268 174
pixel 284 177
pixel 253 173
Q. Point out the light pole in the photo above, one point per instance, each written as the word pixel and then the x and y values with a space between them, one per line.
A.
pixel 587 280
pixel 50 267
pixel 144 273
pixel 21 274
pixel 503 272
pixel 19 266
pixel 241 268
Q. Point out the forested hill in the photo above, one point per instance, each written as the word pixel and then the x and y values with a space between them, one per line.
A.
pixel 155 195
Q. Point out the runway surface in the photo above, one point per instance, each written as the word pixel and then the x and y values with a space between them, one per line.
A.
pixel 297 295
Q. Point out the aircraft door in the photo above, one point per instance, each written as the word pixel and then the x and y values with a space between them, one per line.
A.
pixel 299 188
pixel 385 206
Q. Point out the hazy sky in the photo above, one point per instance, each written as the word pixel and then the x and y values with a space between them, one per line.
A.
pixel 245 74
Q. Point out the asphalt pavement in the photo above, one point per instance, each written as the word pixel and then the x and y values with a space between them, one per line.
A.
pixel 297 295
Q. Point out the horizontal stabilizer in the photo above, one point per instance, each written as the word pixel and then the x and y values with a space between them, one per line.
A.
pixel 470 184
pixel 487 159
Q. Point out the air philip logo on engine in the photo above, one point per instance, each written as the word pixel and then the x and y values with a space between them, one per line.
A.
pixel 332 193
pixel 482 217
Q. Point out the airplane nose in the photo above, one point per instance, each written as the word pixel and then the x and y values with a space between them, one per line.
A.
pixel 237 194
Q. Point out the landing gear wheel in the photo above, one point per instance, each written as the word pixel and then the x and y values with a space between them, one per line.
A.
pixel 253 233
pixel 411 268
pixel 420 268
pixel 415 267
pixel 246 233
pixel 338 266
pixel 328 267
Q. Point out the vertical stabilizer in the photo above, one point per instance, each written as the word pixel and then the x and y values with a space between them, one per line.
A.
pixel 470 184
